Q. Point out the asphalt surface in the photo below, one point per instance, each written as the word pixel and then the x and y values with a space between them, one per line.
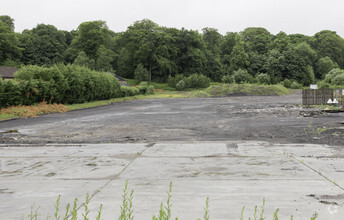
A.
pixel 275 119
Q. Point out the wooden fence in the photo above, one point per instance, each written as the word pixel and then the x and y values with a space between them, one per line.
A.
pixel 321 96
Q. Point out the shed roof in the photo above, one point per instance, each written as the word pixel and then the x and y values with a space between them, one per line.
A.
pixel 7 71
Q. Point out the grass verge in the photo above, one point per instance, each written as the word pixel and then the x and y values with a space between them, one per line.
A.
pixel 247 89
pixel 30 111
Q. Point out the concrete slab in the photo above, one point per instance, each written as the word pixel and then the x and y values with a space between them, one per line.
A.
pixel 227 198
pixel 297 179
pixel 18 196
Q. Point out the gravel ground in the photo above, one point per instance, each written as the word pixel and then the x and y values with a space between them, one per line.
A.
pixel 277 119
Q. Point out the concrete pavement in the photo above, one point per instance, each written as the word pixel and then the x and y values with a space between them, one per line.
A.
pixel 299 179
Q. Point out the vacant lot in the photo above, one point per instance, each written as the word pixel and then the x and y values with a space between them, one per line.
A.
pixel 234 150
pixel 275 119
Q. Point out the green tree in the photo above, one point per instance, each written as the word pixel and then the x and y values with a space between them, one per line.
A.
pixel 212 39
pixel 299 38
pixel 280 42
pixel 256 39
pixel 105 59
pixel 141 73
pixel 9 49
pixel 328 43
pixel 226 47
pixel 239 58
pixel 324 66
pixel 214 68
pixel 306 53
pixel 91 36
pixel 43 45
pixel 289 65
pixel 83 60
pixel 257 63
pixel 7 20
pixel 153 46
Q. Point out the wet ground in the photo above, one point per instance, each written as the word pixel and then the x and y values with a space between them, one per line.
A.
pixel 234 150
pixel 277 119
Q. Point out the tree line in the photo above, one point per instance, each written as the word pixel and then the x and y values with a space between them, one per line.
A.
pixel 150 52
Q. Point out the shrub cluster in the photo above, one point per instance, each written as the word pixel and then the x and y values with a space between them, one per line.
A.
pixel 242 76
pixel 335 77
pixel 58 84
pixel 129 91
pixel 145 88
pixel 291 84
pixel 180 82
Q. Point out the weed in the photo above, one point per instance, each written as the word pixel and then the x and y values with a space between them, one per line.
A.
pixel 275 217
pixel 242 213
pixel 74 211
pixel 165 212
pixel 99 212
pixel 321 130
pixel 206 210
pixel 86 207
pixel 33 213
pixel 127 204
pixel 12 131
pixel 56 215
pixel 314 216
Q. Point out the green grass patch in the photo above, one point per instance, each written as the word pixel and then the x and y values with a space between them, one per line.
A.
pixel 4 117
pixel 247 89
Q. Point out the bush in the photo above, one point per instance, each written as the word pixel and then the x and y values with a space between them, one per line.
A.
pixel 129 91
pixel 197 81
pixel 58 84
pixel 264 79
pixel 193 81
pixel 289 82
pixel 172 81
pixel 333 74
pixel 242 76
pixel 145 88
pixel 228 79
pixel 181 85
pixel 338 80
pixel 323 84
pixel 296 85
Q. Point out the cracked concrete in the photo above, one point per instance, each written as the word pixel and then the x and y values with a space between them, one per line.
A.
pixel 299 179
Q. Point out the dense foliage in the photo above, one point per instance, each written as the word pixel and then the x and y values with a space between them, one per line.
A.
pixel 58 84
pixel 147 51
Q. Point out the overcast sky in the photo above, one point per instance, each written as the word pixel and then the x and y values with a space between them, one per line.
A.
pixel 291 16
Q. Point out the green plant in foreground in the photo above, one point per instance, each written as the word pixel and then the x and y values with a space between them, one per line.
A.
pixel 127 204
pixel 165 212
pixel 33 213
pixel 56 215
pixel 86 207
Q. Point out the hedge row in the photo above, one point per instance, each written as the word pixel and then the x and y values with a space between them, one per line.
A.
pixel 58 84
